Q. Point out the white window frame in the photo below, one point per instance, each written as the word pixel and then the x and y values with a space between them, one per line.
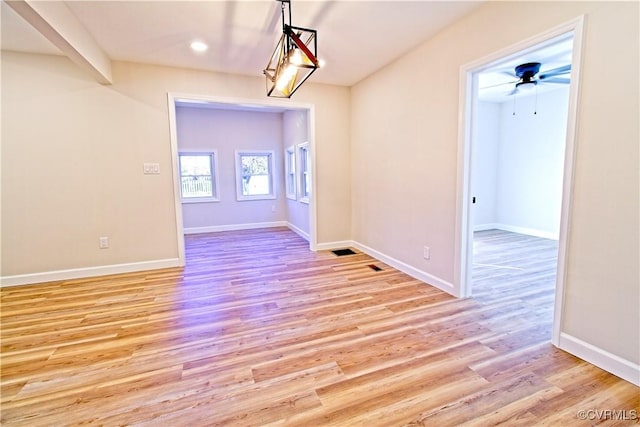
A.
pixel 213 157
pixel 290 178
pixel 304 171
pixel 272 173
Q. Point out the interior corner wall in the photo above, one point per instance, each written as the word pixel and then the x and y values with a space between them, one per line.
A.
pixel 518 163
pixel 404 146
pixel 225 131
pixel 73 153
pixel 296 131
pixel 531 163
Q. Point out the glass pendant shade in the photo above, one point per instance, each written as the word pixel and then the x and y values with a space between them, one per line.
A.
pixel 293 61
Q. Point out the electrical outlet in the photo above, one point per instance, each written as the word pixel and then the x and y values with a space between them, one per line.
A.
pixel 427 253
pixel 104 242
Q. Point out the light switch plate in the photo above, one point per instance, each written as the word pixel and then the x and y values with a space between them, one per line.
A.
pixel 151 168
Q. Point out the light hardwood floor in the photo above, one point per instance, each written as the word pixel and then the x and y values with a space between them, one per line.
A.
pixel 258 330
pixel 511 267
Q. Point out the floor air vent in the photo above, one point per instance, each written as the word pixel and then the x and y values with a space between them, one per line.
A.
pixel 374 267
pixel 343 252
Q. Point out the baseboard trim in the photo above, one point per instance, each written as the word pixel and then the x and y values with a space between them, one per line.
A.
pixel 299 232
pixel 328 246
pixel 487 226
pixel 79 273
pixel 407 269
pixel 616 365
pixel 234 227
pixel 515 229
pixel 395 263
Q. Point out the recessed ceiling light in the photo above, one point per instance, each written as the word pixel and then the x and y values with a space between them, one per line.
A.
pixel 199 46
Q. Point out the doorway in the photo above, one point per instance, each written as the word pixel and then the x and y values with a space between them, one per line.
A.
pixel 305 111
pixel 517 162
pixel 470 218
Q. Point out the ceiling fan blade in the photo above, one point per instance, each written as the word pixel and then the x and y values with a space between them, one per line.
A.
pixel 508 73
pixel 559 80
pixel 499 84
pixel 555 72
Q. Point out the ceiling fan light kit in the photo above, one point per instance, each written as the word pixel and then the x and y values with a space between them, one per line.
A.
pixel 293 60
pixel 526 86
pixel 529 77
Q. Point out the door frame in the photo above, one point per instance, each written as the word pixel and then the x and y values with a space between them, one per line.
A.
pixel 238 103
pixel 467 104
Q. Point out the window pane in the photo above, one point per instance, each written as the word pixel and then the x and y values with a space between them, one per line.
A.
pixel 307 184
pixel 196 176
pixel 195 165
pixel 291 182
pixel 256 185
pixel 305 175
pixel 255 165
pixel 196 186
pixel 255 175
pixel 254 171
pixel 290 170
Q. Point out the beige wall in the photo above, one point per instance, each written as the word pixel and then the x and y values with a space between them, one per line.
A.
pixel 404 137
pixel 73 150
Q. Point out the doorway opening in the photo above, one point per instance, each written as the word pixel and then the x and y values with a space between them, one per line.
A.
pixel 517 162
pixel 515 166
pixel 192 120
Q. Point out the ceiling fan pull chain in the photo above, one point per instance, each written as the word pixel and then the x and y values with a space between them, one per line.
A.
pixel 535 108
pixel 514 104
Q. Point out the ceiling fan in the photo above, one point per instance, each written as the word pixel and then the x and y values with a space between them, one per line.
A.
pixel 528 77
pixel 527 74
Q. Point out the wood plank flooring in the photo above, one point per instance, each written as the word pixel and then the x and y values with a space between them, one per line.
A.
pixel 257 330
pixel 515 268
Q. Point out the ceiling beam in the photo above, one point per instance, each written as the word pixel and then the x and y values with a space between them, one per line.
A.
pixel 60 26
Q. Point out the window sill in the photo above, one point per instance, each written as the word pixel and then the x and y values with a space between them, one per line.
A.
pixel 200 200
pixel 249 198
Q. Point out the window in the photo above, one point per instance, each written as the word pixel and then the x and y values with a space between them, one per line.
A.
pixel 305 172
pixel 254 175
pixel 290 172
pixel 198 182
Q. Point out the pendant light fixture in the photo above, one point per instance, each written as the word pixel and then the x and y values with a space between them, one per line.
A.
pixel 294 59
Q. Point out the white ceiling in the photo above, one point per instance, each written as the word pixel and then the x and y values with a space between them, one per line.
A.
pixel 355 37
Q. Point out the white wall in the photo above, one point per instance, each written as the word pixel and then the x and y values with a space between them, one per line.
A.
pixel 206 129
pixel 517 170
pixel 531 159
pixel 484 164
pixel 295 128
pixel 404 137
